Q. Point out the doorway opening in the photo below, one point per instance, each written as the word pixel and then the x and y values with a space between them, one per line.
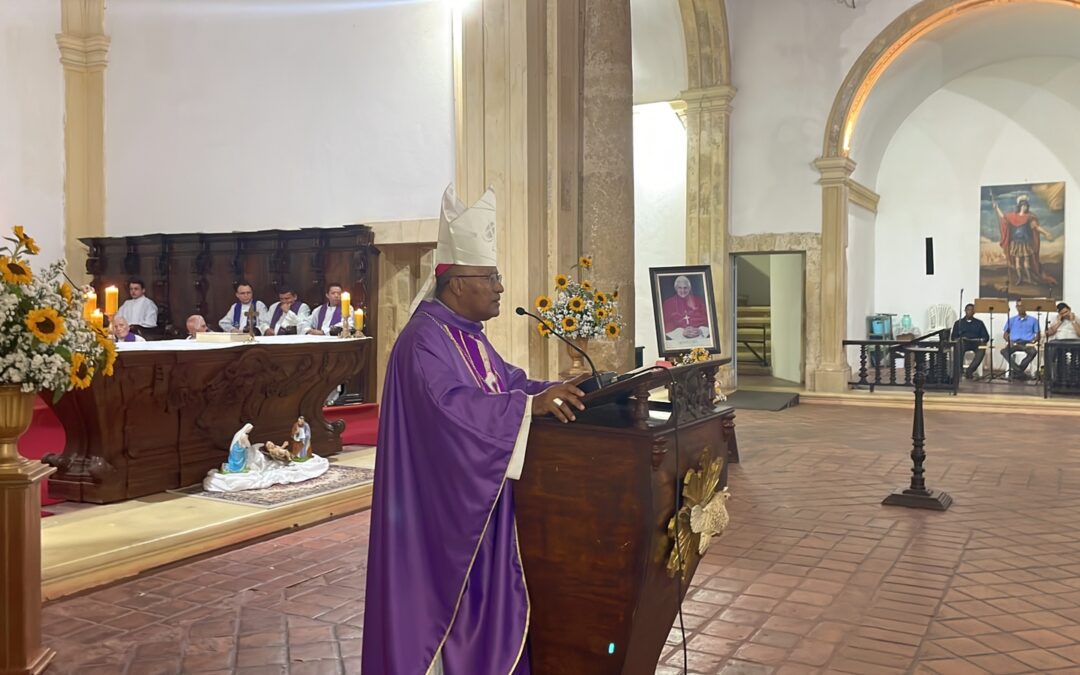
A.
pixel 769 320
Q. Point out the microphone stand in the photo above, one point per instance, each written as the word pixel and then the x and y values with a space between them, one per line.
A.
pixel 598 380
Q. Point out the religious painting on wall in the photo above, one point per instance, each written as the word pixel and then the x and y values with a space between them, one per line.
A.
pixel 1022 241
pixel 684 309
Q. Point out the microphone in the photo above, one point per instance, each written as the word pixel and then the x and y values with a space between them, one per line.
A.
pixel 593 383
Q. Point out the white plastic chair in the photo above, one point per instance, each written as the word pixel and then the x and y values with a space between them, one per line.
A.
pixel 940 316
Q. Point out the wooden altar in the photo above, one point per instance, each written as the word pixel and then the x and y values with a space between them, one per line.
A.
pixel 593 508
pixel 197 273
pixel 169 412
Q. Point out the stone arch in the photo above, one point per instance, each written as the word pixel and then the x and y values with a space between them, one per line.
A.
pixel 835 167
pixel 708 52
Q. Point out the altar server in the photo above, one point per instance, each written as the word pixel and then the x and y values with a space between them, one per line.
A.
pixel 236 319
pixel 139 310
pixel 286 316
pixel 327 316
pixel 446 590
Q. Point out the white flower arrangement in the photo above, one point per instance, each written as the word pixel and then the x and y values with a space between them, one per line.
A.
pixel 577 310
pixel 45 342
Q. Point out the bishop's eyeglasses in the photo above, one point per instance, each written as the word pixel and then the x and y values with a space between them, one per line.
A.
pixel 494 278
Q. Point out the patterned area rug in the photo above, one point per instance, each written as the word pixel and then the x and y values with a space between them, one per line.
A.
pixel 336 478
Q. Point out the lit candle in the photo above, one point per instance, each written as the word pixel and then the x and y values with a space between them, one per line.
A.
pixel 358 319
pixel 90 305
pixel 112 296
pixel 96 319
pixel 346 304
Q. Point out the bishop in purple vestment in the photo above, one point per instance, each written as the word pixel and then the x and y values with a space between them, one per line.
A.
pixel 446 591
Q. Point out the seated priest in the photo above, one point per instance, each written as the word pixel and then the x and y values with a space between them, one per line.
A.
pixel 326 319
pixel 236 319
pixel 196 324
pixel 138 309
pixel 286 316
pixel 446 590
pixel 121 331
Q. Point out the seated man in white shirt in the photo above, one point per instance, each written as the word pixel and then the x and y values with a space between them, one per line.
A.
pixel 326 319
pixel 121 331
pixel 196 324
pixel 236 319
pixel 286 316
pixel 1065 325
pixel 139 310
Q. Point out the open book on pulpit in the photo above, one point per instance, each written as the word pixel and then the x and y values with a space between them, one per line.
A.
pixel 606 558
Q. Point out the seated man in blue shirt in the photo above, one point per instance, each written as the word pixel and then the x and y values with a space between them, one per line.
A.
pixel 1020 331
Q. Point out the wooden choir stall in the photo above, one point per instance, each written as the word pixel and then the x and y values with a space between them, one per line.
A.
pixel 594 512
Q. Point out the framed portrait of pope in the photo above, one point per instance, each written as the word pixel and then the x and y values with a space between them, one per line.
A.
pixel 684 309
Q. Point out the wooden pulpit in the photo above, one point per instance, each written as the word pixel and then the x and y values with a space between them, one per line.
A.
pixel 595 507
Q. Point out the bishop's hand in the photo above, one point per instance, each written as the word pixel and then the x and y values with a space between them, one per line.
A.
pixel 558 400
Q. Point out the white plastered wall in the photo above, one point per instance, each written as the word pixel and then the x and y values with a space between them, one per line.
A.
pixel 32 125
pixel 256 114
pixel 659 208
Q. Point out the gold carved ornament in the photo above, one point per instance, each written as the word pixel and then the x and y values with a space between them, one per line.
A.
pixel 703 514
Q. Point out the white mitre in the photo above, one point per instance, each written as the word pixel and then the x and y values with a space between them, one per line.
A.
pixel 466 237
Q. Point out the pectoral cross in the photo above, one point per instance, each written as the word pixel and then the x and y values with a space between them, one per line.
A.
pixel 686 318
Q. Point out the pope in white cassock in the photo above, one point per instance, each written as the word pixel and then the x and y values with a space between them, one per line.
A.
pixel 139 310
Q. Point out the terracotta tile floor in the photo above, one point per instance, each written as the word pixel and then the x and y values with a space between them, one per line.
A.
pixel 813 576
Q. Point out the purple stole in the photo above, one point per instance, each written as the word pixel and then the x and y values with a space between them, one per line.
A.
pixel 322 316
pixel 130 337
pixel 469 347
pixel 277 316
pixel 236 315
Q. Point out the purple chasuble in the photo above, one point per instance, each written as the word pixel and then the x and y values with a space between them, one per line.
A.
pixel 443 564
pixel 334 320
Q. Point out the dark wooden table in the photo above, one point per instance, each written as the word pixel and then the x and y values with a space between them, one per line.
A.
pixel 168 414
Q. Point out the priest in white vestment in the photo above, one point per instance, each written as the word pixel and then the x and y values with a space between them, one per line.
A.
pixel 286 316
pixel 327 316
pixel 139 310
pixel 236 319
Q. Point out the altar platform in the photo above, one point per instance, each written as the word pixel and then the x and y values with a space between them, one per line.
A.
pixel 86 546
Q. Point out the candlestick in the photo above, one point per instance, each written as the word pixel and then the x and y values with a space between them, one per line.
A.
pixel 96 319
pixel 89 305
pixel 358 320
pixel 112 296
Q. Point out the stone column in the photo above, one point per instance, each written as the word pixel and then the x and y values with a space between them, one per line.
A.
pixel 708 120
pixel 607 191
pixel 833 372
pixel 84 49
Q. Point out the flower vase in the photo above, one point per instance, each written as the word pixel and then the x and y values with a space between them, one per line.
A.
pixel 577 361
pixel 16 411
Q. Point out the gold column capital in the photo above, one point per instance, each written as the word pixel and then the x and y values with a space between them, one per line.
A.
pixel 83 54
pixel 835 171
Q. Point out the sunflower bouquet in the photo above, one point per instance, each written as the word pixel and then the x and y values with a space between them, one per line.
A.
pixel 45 343
pixel 578 310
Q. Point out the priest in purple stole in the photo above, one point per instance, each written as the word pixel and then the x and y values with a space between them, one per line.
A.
pixel 446 591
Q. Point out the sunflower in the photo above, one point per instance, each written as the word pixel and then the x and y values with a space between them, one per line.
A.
pixel 576 304
pixel 585 261
pixel 27 241
pixel 615 294
pixel 82 371
pixel 600 298
pixel 46 324
pixel 612 330
pixel 569 324
pixel 561 280
pixel 543 303
pixel 601 314
pixel 67 292
pixel 15 271
pixel 544 328
pixel 110 356
pixel 586 285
